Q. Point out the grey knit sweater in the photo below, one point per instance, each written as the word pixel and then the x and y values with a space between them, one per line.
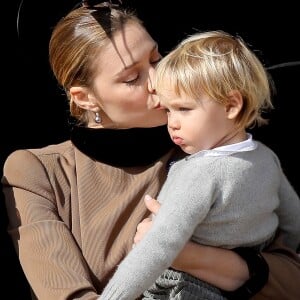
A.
pixel 226 199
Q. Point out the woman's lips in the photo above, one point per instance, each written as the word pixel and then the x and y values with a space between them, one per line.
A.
pixel 158 106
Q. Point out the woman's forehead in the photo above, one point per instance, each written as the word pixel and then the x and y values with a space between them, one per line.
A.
pixel 127 48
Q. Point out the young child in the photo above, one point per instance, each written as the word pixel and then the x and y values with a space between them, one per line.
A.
pixel 230 191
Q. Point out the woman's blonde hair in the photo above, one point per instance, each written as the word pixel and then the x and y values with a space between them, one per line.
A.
pixel 216 63
pixel 76 42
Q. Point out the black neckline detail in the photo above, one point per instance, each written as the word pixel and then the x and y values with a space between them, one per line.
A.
pixel 123 147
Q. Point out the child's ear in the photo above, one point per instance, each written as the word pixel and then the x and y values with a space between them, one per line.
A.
pixel 83 99
pixel 234 105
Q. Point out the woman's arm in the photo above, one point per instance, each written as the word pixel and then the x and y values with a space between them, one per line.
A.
pixel 284 272
pixel 229 271
pixel 222 268
pixel 50 257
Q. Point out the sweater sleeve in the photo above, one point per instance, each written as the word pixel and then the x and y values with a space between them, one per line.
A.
pixel 180 213
pixel 49 255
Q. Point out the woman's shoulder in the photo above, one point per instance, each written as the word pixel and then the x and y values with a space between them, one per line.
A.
pixel 61 149
pixel 35 160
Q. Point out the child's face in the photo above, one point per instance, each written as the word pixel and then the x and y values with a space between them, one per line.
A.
pixel 196 125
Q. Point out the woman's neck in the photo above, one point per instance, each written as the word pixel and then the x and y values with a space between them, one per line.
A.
pixel 124 147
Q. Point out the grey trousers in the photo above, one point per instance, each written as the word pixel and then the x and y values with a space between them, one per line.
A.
pixel 181 286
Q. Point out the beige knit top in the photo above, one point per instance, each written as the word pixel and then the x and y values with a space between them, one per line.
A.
pixel 72 218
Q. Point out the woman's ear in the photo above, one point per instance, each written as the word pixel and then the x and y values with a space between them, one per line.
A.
pixel 234 105
pixel 83 99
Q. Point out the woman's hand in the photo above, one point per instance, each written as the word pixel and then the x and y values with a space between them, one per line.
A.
pixel 144 226
pixel 142 229
pixel 220 267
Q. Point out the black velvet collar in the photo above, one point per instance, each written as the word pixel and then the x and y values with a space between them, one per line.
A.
pixel 123 147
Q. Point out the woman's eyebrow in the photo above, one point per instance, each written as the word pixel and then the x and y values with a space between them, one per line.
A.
pixel 127 67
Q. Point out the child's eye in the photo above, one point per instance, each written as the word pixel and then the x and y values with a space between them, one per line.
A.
pixel 184 109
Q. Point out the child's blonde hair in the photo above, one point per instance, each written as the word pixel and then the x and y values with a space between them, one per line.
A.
pixel 217 63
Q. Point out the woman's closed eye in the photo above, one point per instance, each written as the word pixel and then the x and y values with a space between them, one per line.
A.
pixel 134 78
pixel 132 81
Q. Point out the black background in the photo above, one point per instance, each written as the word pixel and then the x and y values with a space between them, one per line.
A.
pixel 35 111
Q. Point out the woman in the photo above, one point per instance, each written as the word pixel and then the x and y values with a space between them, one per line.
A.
pixel 73 208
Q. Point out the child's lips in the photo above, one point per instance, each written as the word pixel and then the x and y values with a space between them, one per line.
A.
pixel 177 140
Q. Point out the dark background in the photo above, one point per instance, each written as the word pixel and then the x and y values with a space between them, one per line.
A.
pixel 36 112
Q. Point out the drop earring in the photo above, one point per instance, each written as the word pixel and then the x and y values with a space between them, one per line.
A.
pixel 97 118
